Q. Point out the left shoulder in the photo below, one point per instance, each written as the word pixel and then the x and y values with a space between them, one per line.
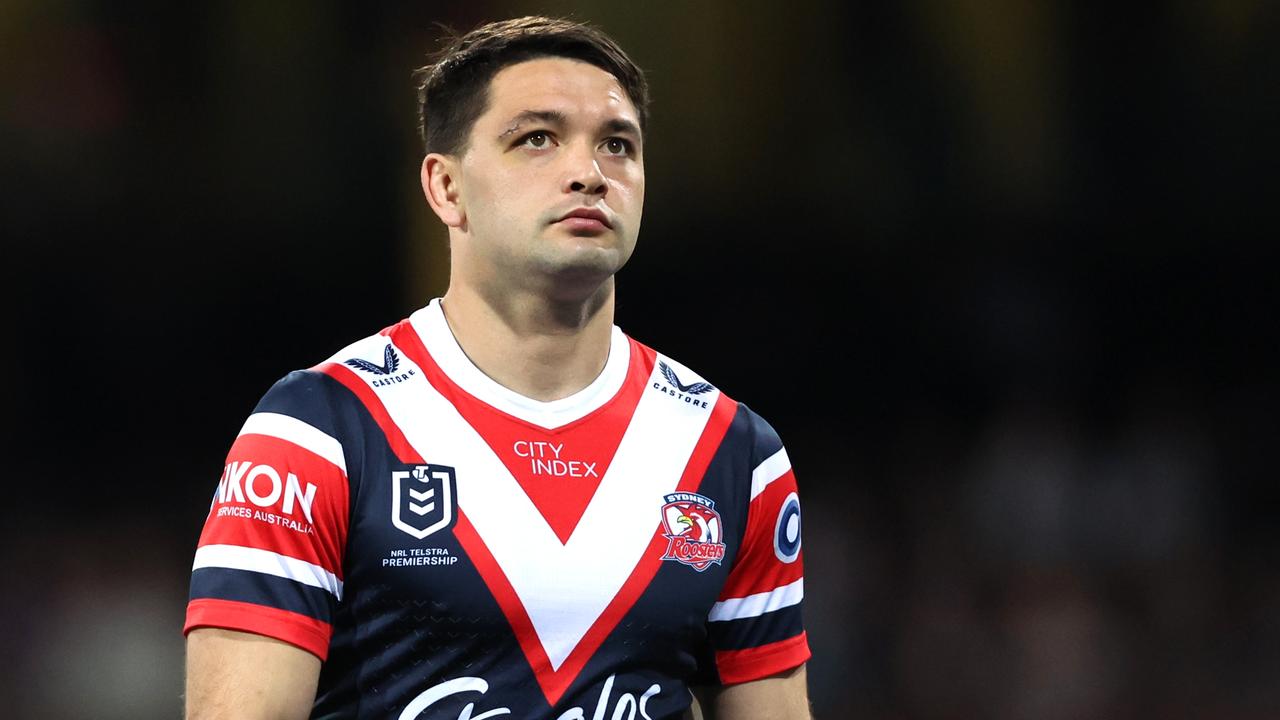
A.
pixel 748 430
pixel 675 378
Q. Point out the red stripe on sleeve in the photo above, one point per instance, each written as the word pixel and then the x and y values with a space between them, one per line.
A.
pixel 738 666
pixel 235 520
pixel 299 630
pixel 761 574
pixel 757 568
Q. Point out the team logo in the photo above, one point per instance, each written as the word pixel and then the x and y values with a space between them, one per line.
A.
pixel 424 499
pixel 390 362
pixel 786 530
pixel 693 530
pixel 697 388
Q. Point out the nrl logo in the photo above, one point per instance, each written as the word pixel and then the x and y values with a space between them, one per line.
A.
pixel 424 499
pixel 693 530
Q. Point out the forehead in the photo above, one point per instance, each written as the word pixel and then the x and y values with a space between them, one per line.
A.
pixel 558 84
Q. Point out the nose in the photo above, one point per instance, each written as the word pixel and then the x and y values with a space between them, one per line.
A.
pixel 584 174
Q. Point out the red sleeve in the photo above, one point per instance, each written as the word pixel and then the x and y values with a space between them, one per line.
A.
pixel 269 560
pixel 756 628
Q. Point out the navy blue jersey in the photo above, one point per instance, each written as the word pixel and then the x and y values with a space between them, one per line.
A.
pixel 449 548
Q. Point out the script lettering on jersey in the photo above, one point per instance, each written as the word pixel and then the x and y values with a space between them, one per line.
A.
pixel 261 485
pixel 627 706
pixel 544 459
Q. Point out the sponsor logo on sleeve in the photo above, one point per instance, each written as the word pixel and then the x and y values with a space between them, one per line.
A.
pixel 786 531
pixel 424 499
pixel 385 374
pixel 693 530
pixel 680 391
pixel 257 491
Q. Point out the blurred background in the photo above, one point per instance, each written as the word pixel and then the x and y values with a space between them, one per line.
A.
pixel 1002 274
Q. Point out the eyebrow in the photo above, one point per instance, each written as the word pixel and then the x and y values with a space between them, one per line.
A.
pixel 559 119
pixel 619 125
pixel 549 117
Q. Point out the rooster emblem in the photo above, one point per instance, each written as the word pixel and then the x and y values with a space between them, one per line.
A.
pixel 693 530
pixel 697 524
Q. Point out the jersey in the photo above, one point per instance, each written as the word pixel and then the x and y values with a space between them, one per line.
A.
pixel 451 549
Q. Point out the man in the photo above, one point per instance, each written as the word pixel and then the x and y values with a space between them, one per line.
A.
pixel 503 505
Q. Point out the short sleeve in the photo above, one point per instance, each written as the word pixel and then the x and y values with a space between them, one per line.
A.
pixel 269 560
pixel 755 627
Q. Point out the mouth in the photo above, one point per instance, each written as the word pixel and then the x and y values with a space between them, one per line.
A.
pixel 586 219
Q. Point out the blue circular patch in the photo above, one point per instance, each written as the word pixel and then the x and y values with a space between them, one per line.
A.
pixel 786 532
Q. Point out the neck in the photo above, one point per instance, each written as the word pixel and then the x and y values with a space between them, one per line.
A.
pixel 542 348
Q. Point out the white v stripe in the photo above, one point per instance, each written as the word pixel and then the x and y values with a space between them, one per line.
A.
pixel 563 588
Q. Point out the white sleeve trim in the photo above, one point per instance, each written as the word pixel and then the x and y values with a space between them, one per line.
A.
pixel 304 435
pixel 771 469
pixel 758 604
pixel 237 557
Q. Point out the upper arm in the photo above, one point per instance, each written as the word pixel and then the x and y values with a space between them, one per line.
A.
pixel 267 578
pixel 758 645
pixel 755 628
pixel 233 674
pixel 784 696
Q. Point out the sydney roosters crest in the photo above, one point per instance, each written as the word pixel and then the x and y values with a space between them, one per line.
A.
pixel 693 530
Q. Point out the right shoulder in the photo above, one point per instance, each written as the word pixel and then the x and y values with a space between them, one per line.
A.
pixel 316 397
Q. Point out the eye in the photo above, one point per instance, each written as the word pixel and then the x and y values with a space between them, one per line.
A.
pixel 617 146
pixel 538 140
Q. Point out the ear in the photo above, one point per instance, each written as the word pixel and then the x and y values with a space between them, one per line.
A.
pixel 440 186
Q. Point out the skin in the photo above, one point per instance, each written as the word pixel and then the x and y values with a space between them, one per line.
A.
pixel 783 696
pixel 530 301
pixel 233 674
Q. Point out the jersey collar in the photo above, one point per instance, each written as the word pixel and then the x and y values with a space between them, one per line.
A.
pixel 431 326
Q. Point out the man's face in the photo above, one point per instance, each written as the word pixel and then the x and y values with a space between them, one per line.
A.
pixel 552 181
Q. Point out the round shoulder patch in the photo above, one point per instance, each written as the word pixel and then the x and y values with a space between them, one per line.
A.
pixel 786 532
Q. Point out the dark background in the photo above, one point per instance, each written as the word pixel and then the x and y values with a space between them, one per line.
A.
pixel 1000 273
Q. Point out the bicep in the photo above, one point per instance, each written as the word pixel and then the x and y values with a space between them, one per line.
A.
pixel 784 696
pixel 233 674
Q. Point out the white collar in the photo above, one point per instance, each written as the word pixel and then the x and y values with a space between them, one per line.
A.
pixel 431 326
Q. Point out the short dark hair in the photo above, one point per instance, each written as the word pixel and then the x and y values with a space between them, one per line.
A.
pixel 454 90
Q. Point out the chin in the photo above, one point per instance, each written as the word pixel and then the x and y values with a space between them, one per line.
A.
pixel 580 272
pixel 599 254
pixel 584 269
